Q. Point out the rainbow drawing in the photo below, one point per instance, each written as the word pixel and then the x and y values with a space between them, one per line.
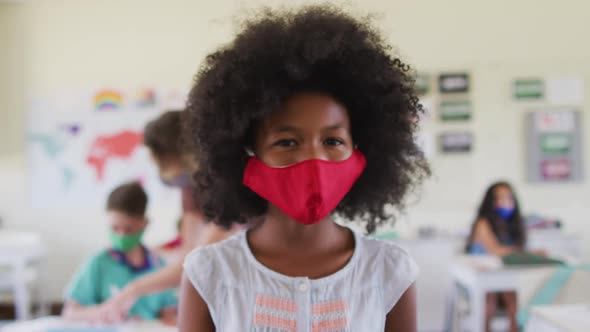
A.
pixel 108 100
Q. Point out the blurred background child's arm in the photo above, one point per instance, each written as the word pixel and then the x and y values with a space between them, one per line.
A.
pixel 484 235
pixel 74 311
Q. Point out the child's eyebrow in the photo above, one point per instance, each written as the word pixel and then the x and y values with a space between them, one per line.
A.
pixel 282 129
pixel 334 127
pixel 288 128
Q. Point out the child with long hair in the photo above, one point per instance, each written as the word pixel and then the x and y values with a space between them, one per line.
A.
pixel 498 230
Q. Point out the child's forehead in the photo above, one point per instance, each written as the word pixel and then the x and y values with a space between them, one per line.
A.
pixel 502 191
pixel 121 218
pixel 307 110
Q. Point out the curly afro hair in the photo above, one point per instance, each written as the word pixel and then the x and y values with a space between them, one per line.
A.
pixel 315 49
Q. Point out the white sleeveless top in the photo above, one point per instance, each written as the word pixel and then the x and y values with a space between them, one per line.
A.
pixel 244 295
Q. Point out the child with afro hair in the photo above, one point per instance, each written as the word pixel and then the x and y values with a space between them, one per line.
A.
pixel 304 116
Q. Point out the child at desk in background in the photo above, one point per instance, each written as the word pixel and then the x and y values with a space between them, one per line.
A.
pixel 111 269
pixel 498 230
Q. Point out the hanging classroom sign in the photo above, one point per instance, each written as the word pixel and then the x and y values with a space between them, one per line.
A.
pixel 554 145
pixel 556 170
pixel 455 110
pixel 529 89
pixel 455 142
pixel 453 83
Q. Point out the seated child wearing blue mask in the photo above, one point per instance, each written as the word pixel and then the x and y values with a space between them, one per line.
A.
pixel 103 275
pixel 499 230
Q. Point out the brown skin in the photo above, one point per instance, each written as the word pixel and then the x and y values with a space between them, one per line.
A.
pixel 483 234
pixel 120 224
pixel 309 126
pixel 510 304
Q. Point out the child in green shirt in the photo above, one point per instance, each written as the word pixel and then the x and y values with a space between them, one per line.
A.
pixel 103 275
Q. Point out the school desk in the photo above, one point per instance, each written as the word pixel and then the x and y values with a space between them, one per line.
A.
pixel 22 260
pixel 56 324
pixel 480 275
pixel 559 318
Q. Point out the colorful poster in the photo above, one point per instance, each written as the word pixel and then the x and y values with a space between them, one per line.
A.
pixel 554 145
pixel 76 157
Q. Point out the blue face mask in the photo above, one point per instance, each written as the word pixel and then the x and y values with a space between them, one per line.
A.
pixel 180 181
pixel 505 212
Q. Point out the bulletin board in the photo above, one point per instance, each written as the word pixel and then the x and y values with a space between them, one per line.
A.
pixel 554 145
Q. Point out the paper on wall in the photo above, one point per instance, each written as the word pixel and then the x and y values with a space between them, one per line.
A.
pixel 565 91
pixel 426 141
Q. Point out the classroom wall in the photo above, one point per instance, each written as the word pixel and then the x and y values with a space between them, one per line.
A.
pixel 73 43
pixel 11 78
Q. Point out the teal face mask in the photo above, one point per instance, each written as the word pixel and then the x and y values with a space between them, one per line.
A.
pixel 125 243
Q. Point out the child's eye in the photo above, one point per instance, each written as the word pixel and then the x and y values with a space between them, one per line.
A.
pixel 285 143
pixel 333 142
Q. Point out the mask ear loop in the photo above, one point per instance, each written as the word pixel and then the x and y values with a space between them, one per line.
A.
pixel 249 152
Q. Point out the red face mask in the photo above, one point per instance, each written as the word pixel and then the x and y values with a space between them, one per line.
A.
pixel 307 191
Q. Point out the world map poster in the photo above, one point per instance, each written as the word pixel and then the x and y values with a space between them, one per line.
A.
pixel 81 148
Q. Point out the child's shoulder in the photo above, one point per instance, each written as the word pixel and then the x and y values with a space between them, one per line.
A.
pixel 101 256
pixel 223 247
pixel 389 265
pixel 216 264
pixel 386 255
pixel 97 259
pixel 372 245
pixel 223 253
